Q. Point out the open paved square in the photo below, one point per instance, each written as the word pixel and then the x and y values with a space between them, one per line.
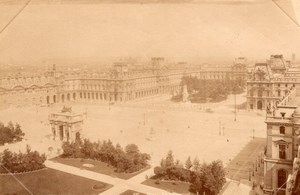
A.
pixel 156 126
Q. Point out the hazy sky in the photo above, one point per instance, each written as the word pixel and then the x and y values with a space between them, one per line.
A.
pixel 204 31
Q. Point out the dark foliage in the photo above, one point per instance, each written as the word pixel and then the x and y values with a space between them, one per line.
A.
pixel 128 160
pixel 201 90
pixel 208 178
pixel 10 133
pixel 22 162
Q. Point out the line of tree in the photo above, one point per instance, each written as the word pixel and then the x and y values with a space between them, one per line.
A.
pixel 207 178
pixel 200 90
pixel 126 160
pixel 10 133
pixel 22 162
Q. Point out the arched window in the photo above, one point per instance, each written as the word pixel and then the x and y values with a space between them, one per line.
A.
pixel 281 178
pixel 282 129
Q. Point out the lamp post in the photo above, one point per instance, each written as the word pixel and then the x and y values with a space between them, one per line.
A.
pixel 219 127
pixel 249 174
pixel 234 106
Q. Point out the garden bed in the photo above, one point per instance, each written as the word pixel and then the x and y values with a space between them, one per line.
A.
pixel 170 186
pixel 131 192
pixel 99 167
pixel 50 181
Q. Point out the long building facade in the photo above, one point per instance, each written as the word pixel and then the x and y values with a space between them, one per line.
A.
pixel 121 83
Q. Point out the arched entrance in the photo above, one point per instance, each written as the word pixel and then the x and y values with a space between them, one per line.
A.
pixel 259 105
pixel 281 178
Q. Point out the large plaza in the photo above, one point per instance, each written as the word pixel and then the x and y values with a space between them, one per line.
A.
pixel 206 131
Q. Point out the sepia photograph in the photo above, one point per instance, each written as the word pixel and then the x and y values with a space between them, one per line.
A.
pixel 149 97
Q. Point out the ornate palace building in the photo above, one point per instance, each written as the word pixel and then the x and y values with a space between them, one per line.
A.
pixel 270 82
pixel 282 151
pixel 121 83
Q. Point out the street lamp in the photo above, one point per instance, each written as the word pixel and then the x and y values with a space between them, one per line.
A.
pixel 253 169
pixel 234 106
pixel 219 127
pixel 249 174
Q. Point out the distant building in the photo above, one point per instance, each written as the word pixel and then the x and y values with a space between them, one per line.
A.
pixel 238 71
pixel 66 125
pixel 270 82
pixel 121 83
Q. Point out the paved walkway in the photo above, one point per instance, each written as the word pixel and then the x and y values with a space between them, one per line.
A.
pixel 119 185
pixel 237 188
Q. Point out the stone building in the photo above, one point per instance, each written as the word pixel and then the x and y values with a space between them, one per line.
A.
pixel 121 83
pixel 66 125
pixel 283 130
pixel 238 71
pixel 270 82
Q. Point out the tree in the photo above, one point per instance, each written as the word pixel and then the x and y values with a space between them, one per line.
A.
pixel 88 149
pixel 19 162
pixel 10 133
pixel 132 149
pixel 196 165
pixel 188 163
pixel 214 177
pixel 196 183
pixel 158 171
pixel 169 159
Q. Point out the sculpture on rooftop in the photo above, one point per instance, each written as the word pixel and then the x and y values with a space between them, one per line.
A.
pixel 66 109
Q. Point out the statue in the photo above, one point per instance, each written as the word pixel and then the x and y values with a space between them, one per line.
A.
pixel 259 74
pixel 66 109
pixel 184 94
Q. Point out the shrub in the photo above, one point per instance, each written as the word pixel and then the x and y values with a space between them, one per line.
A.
pixel 22 162
pixel 98 186
pixel 10 133
pixel 128 161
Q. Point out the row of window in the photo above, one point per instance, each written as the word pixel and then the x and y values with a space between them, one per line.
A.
pixel 267 85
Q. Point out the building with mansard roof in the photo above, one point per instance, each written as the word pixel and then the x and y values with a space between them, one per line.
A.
pixel 269 82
